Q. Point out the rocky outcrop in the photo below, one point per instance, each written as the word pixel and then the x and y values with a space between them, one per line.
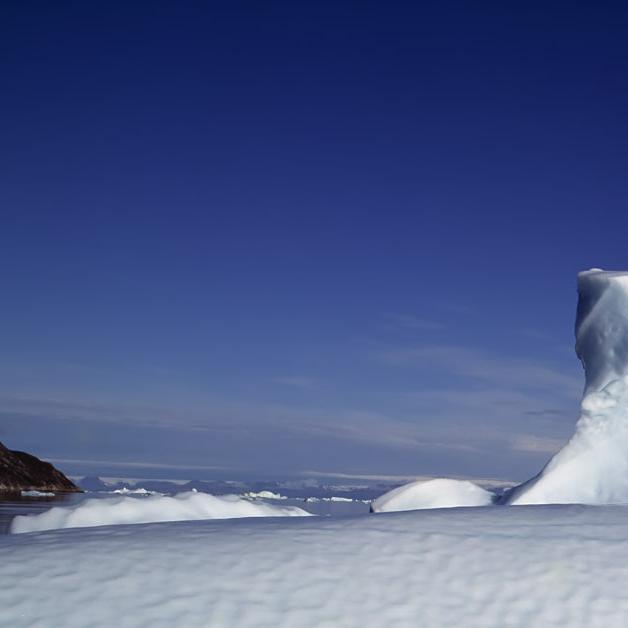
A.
pixel 20 471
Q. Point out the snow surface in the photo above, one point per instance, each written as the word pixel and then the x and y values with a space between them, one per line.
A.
pixel 539 566
pixel 121 510
pixel 438 493
pixel 592 468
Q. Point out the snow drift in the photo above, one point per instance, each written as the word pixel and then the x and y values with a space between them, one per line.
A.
pixel 592 468
pixel 438 493
pixel 121 510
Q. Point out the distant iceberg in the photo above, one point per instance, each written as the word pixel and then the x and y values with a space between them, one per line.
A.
pixel 36 494
pixel 134 491
pixel 264 495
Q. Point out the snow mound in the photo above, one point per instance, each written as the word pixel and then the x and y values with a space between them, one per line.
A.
pixel 121 510
pixel 541 567
pixel 592 468
pixel 438 493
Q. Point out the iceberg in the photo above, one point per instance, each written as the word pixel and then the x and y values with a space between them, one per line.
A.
pixel 592 468
pixel 134 491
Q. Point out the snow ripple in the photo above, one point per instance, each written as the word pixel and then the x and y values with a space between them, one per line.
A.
pixel 524 566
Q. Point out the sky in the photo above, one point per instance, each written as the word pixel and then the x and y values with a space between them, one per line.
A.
pixel 300 239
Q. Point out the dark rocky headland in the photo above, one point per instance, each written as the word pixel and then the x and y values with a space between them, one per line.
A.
pixel 20 471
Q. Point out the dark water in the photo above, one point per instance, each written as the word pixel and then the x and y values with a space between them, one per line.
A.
pixel 12 506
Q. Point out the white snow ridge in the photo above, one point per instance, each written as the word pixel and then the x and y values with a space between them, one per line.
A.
pixel 120 510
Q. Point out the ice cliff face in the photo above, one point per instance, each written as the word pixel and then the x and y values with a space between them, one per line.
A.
pixel 592 468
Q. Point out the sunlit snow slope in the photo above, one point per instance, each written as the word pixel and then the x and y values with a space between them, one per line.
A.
pixel 592 468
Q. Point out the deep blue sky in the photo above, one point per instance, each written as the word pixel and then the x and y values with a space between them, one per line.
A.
pixel 279 237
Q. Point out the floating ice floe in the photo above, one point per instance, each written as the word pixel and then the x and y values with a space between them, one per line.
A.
pixel 36 494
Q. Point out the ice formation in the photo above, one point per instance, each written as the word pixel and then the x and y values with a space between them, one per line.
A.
pixel 592 468
pixel 119 510
pixel 548 566
pixel 134 491
pixel 438 493
pixel 264 495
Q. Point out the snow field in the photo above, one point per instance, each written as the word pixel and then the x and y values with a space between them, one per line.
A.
pixel 473 567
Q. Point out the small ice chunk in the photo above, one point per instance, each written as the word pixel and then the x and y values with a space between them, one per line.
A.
pixel 36 494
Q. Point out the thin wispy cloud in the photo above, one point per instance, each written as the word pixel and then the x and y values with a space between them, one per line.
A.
pixel 467 415
pixel 537 334
pixel 400 478
pixel 249 421
pixel 410 321
pixel 532 443
pixel 139 465
pixel 297 381
pixel 495 370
